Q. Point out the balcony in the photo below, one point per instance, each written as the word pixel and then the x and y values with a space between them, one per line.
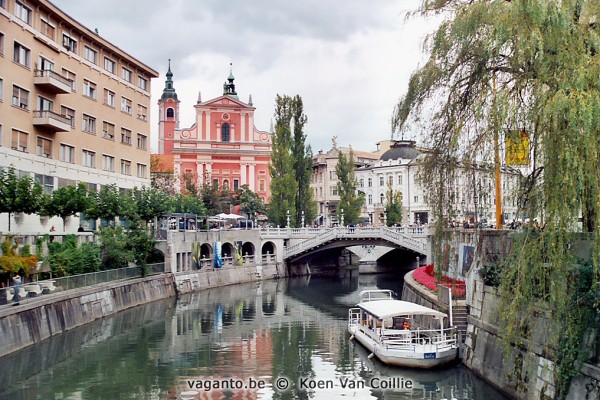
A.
pixel 52 82
pixel 51 121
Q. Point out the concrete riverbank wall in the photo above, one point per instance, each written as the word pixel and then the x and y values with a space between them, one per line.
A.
pixel 51 315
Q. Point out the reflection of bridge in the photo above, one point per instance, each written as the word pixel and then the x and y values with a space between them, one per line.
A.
pixel 277 245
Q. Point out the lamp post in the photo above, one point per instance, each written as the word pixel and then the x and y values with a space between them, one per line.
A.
pixel 342 220
pixel 384 218
pixel 288 218
pixel 303 219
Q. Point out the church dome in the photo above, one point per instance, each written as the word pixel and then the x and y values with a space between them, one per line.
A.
pixel 403 149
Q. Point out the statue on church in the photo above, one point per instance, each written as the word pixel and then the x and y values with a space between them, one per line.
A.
pixel 334 141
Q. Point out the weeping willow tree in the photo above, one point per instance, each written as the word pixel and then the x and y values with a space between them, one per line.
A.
pixel 526 65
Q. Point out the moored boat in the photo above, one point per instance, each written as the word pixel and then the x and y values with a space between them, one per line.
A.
pixel 402 333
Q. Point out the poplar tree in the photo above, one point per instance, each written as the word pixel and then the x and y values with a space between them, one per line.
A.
pixel 351 200
pixel 520 65
pixel 283 178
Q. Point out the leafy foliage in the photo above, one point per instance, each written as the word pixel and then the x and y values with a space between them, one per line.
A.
pixel 251 203
pixel 284 187
pixel 351 201
pixel 530 65
pixel 393 207
pixel 12 262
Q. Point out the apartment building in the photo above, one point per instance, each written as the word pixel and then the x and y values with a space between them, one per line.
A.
pixel 73 106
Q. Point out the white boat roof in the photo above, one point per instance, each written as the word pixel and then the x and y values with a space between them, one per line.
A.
pixel 394 308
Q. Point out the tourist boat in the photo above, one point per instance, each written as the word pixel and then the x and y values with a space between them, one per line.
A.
pixel 401 333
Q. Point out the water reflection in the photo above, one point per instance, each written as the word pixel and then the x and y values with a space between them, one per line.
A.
pixel 246 334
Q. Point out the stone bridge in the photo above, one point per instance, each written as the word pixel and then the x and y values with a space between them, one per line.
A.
pixel 287 245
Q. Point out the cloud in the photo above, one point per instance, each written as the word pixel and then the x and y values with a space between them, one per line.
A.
pixel 349 60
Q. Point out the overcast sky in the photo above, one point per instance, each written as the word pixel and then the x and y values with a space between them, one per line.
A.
pixel 349 60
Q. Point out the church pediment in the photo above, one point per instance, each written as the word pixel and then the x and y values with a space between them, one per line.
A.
pixel 225 101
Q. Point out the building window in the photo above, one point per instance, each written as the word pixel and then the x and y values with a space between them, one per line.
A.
pixel 44 147
pixel 333 190
pixel 261 185
pixel 142 112
pixel 143 83
pixel 108 130
pixel 89 124
pixel 126 74
pixel 362 183
pixel 390 180
pixel 20 98
pixel 381 198
pixel 47 29
pixel 45 65
pixel 67 153
pixel 44 104
pixel 90 54
pixel 46 181
pixel 88 158
pixel 125 136
pixel 89 89
pixel 370 182
pixel 126 105
pixel 142 171
pixel 370 199
pixel 69 43
pixel 62 182
pixel 225 184
pixel 21 55
pixel 69 113
pixel 126 167
pixel 72 77
pixel 108 163
pixel 20 141
pixel 216 183
pixel 142 141
pixel 109 98
pixel 110 65
pixel 381 181
pixel 236 184
pixel 1 89
pixel 416 198
pixel 1 43
pixel 170 113
pixel 399 179
pixel 225 133
pixel 22 12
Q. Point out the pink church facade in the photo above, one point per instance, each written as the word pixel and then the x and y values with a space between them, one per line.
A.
pixel 222 147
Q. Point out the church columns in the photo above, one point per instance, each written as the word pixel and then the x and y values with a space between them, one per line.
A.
pixel 207 127
pixel 243 137
pixel 252 178
pixel 243 173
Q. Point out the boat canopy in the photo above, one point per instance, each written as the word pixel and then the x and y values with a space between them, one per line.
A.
pixel 395 308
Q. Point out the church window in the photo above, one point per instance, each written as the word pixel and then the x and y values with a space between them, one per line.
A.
pixel 170 113
pixel 225 133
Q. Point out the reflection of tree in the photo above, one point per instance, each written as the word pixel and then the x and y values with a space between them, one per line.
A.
pixel 293 348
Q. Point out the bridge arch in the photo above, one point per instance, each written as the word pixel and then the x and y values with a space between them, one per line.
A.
pixel 227 250
pixel 268 248
pixel 206 251
pixel 248 249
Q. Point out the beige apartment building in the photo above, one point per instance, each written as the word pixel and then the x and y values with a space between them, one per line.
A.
pixel 73 106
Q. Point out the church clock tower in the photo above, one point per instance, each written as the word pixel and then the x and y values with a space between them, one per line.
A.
pixel 168 118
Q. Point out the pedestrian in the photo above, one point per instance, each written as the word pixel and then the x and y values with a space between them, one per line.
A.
pixel 17 286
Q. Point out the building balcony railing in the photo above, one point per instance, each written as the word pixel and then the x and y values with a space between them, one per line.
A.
pixel 51 121
pixel 52 82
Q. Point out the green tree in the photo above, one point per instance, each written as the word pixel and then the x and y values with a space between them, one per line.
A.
pixel 210 198
pixel 393 207
pixel 149 203
pixel 284 187
pixel 251 203
pixel 106 204
pixel 188 204
pixel 351 200
pixel 115 252
pixel 529 65
pixel 162 177
pixel 66 201
pixel 19 194
pixel 302 155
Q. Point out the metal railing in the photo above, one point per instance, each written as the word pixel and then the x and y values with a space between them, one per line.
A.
pixel 51 74
pixel 35 289
pixel 51 114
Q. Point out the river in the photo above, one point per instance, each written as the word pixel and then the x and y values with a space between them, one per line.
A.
pixel 283 339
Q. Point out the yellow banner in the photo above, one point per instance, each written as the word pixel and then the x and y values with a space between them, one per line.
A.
pixel 517 148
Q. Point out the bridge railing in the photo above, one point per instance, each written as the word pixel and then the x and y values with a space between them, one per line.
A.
pixel 417 231
pixel 393 235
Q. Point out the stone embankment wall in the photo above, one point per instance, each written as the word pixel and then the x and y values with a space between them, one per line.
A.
pixel 55 314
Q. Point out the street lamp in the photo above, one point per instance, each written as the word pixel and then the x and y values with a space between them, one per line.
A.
pixel 384 218
pixel 288 218
pixel 303 219
pixel 342 217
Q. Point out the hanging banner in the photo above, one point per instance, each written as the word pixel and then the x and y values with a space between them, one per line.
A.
pixel 196 264
pixel 237 253
pixel 218 257
pixel 517 148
